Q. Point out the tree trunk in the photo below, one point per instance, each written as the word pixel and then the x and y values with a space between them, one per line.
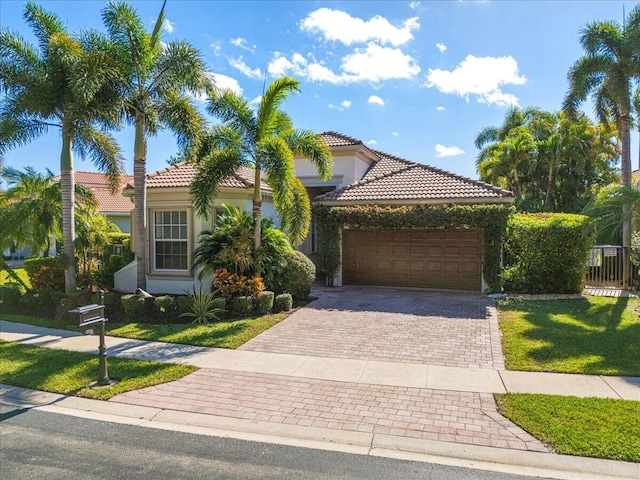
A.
pixel 547 197
pixel 140 199
pixel 257 218
pixel 67 184
pixel 625 132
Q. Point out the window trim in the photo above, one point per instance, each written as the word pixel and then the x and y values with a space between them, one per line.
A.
pixel 152 231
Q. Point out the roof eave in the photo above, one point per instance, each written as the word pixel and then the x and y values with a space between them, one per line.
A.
pixel 435 201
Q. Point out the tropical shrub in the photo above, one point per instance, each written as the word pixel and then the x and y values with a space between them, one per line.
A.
pixel 43 302
pixel 10 298
pixel 230 246
pixel 164 305
pixel 103 275
pixel 297 276
pixel 282 303
pixel 547 252
pixel 232 284
pixel 33 265
pixel 48 277
pixel 204 307
pixel 133 306
pixel 263 303
pixel 184 303
pixel 112 304
pixel 241 306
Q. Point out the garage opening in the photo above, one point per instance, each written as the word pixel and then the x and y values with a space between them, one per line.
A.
pixel 448 259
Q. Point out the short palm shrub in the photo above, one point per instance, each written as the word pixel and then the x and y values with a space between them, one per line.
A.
pixel 282 303
pixel 204 308
pixel 263 303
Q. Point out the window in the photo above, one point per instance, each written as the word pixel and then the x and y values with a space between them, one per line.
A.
pixel 170 240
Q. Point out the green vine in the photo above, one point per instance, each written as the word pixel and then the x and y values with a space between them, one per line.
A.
pixel 491 219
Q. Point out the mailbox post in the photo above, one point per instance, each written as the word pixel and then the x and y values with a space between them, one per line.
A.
pixel 89 315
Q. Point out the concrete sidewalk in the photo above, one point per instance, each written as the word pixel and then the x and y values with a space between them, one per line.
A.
pixel 434 377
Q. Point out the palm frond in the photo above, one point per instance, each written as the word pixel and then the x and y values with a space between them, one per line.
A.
pixel 179 113
pixel 276 93
pixel 296 217
pixel 44 24
pixel 235 112
pixel 313 148
pixel 103 150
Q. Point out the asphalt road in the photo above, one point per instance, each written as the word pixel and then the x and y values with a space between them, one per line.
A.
pixel 39 445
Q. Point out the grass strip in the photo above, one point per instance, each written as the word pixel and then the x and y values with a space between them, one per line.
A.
pixel 72 373
pixel 591 335
pixel 591 427
pixel 225 334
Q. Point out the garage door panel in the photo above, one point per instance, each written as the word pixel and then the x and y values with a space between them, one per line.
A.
pixel 413 258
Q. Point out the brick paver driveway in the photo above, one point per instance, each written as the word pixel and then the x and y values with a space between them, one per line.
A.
pixel 457 329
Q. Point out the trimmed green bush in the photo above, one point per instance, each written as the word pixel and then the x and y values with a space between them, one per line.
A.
pixel 547 252
pixel 10 298
pixel 133 306
pixel 220 302
pixel 241 306
pixel 184 303
pixel 164 305
pixel 33 265
pixel 104 274
pixel 43 302
pixel 112 304
pixel 263 303
pixel 297 276
pixel 282 303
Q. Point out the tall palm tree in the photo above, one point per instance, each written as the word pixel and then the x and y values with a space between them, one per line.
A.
pixel 266 141
pixel 31 212
pixel 608 71
pixel 65 84
pixel 156 88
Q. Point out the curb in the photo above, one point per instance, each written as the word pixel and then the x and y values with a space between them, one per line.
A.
pixel 520 462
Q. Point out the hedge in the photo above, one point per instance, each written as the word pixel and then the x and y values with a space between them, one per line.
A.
pixel 547 252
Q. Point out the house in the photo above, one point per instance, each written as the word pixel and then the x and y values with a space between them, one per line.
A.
pixel 115 206
pixel 446 258
pixel 173 226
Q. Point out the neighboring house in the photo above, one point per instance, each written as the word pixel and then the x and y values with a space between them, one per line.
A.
pixel 173 227
pixel 361 176
pixel 115 206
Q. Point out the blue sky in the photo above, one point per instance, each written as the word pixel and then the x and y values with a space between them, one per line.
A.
pixel 415 79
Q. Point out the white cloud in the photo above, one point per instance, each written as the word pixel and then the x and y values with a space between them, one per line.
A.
pixel 256 101
pixel 414 5
pixel 376 63
pixel 376 100
pixel 440 109
pixel 482 77
pixel 372 142
pixel 216 47
pixel 442 47
pixel 395 134
pixel 240 65
pixel 338 25
pixel 243 44
pixel 442 151
pixel 223 82
pixel 167 26
pixel 343 106
pixel 373 64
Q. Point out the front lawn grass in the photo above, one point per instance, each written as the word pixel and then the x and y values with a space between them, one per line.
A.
pixel 71 373
pixel 224 334
pixel 591 335
pixel 592 427
pixel 4 276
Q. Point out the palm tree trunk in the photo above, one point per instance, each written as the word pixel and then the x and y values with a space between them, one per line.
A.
pixel 140 199
pixel 67 184
pixel 626 208
pixel 257 218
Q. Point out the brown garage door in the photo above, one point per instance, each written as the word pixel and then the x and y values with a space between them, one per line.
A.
pixel 413 258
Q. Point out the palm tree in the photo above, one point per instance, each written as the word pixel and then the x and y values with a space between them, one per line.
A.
pixel 266 141
pixel 66 84
pixel 31 212
pixel 155 95
pixel 608 71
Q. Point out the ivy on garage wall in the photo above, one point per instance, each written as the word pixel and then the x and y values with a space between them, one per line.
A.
pixel 490 219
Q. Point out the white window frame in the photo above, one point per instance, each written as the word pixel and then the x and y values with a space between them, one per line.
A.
pixel 180 226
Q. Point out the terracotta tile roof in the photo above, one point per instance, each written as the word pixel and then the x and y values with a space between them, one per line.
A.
pixel 335 139
pixel 112 203
pixel 107 202
pixel 182 175
pixel 396 179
